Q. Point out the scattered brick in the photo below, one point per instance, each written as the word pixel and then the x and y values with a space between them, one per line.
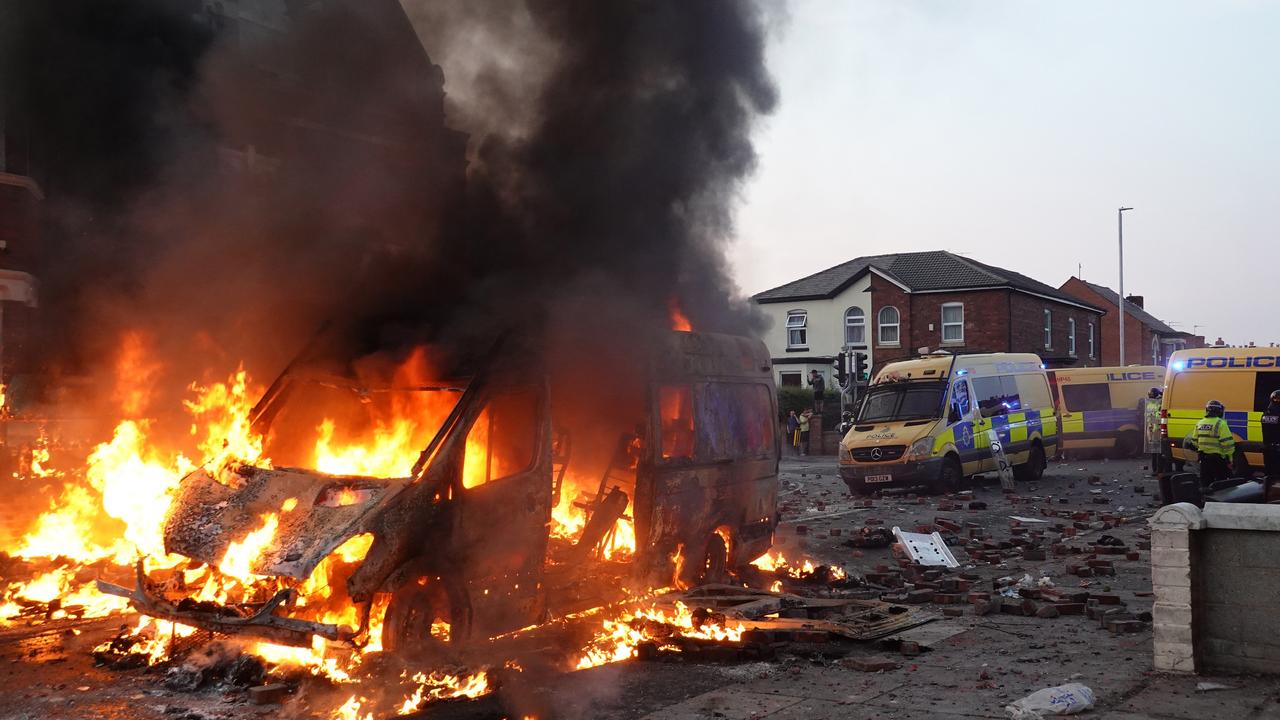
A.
pixel 1116 627
pixel 802 529
pixel 1048 612
pixel 869 664
pixel 1105 598
pixel 952 611
pixel 977 505
pixel 268 694
pixel 1069 608
pixel 909 647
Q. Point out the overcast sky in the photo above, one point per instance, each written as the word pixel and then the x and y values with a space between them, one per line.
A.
pixel 1011 131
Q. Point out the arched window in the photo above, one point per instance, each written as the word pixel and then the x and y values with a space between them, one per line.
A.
pixel 888 322
pixel 1155 350
pixel 855 324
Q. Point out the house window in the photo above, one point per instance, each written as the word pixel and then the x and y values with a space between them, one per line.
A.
pixel 854 327
pixel 791 379
pixel 1048 328
pixel 889 326
pixel 1071 336
pixel 1155 350
pixel 953 323
pixel 798 329
pixel 1091 351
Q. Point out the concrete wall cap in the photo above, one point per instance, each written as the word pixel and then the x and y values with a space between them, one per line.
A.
pixel 1183 516
pixel 1236 516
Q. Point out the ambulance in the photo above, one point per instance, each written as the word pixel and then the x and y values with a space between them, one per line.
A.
pixel 1241 378
pixel 1102 408
pixel 930 421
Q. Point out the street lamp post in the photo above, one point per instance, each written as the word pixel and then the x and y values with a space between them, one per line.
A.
pixel 1120 219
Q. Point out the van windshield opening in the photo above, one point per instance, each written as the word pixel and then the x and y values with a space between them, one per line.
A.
pixel 902 401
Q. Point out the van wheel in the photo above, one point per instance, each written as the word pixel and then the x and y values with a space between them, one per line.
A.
pixel 949 477
pixel 1240 464
pixel 413 609
pixel 711 567
pixel 1127 444
pixel 1033 468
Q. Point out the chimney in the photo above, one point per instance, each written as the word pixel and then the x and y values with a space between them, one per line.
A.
pixel 1218 343
pixel 1135 300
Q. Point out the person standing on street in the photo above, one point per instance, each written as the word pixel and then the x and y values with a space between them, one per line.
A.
pixel 1271 437
pixel 1215 443
pixel 1151 428
pixel 804 431
pixel 819 385
pixel 793 431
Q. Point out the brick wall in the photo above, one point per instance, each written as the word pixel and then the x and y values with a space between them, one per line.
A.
pixel 1216 576
pixel 885 293
pixel 1239 571
pixel 1027 320
pixel 994 321
pixel 1137 347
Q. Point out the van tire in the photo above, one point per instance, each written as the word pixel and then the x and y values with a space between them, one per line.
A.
pixel 949 477
pixel 1240 465
pixel 406 627
pixel 1127 444
pixel 1033 468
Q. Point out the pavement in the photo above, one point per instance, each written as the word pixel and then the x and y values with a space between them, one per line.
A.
pixel 965 665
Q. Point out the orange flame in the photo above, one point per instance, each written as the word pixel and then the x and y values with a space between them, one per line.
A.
pixel 679 321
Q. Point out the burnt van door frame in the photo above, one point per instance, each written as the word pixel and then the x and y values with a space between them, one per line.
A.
pixel 502 523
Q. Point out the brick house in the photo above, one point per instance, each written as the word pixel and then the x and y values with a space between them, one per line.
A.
pixel 893 306
pixel 1148 340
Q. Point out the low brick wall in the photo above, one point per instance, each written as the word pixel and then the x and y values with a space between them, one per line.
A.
pixel 1216 577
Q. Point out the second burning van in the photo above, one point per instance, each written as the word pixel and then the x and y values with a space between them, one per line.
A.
pixel 930 421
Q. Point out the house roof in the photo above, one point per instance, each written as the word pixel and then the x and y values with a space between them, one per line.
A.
pixel 1142 315
pixel 932 270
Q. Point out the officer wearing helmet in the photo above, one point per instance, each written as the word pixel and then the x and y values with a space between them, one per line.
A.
pixel 1215 443
pixel 1271 436
pixel 1151 428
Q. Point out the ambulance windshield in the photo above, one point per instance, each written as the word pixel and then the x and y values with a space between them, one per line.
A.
pixel 902 401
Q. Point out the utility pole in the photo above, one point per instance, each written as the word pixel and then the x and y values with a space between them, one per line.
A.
pixel 1120 220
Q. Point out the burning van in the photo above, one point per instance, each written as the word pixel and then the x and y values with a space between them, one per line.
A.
pixel 402 509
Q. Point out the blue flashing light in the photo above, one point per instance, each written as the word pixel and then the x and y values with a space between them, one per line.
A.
pixel 1041 366
pixel 962 372
pixel 1179 366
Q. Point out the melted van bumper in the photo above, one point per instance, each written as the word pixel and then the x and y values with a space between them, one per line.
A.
pixel 865 477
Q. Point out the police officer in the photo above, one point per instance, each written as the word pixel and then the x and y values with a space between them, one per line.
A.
pixel 1215 443
pixel 1271 437
pixel 1151 428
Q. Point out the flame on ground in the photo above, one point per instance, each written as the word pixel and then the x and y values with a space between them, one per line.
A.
pixel 621 636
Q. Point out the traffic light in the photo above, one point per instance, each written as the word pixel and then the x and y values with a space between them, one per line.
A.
pixel 842 367
pixel 860 367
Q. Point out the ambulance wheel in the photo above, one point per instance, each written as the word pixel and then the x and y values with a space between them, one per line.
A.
pixel 1179 466
pixel 949 477
pixel 1033 468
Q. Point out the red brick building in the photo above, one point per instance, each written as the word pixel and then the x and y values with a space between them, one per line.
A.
pixel 935 300
pixel 1148 340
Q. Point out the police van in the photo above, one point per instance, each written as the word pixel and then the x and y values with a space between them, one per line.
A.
pixel 1102 408
pixel 1241 378
pixel 931 421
